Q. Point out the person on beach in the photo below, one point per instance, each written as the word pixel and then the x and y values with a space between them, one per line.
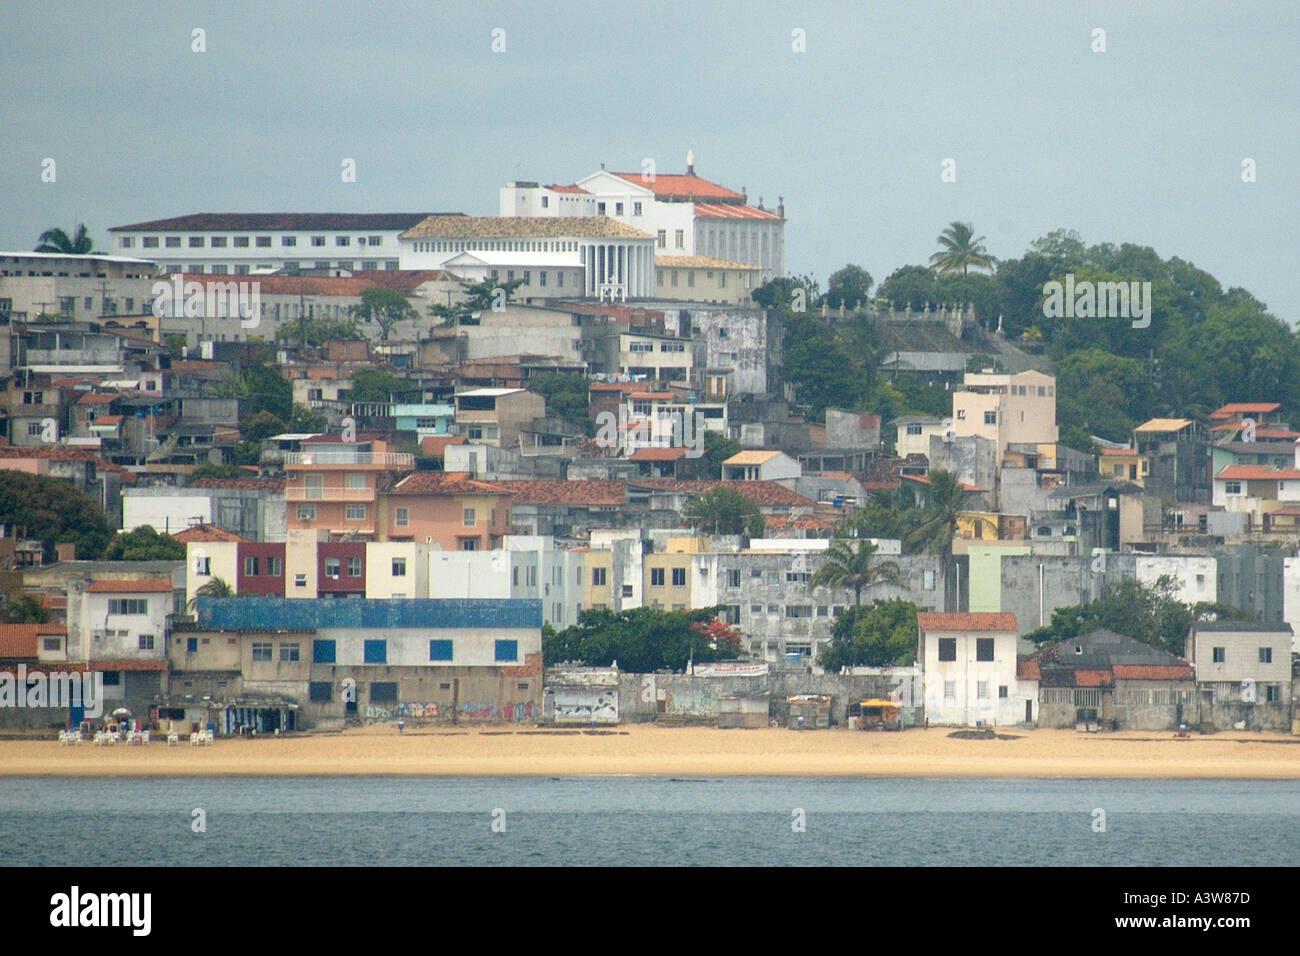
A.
pixel 400 724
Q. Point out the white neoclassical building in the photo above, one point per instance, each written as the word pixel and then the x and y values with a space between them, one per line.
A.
pixel 687 215
pixel 581 256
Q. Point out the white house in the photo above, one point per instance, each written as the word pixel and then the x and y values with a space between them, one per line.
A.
pixel 969 667
pixel 527 566
pixel 762 466
pixel 119 620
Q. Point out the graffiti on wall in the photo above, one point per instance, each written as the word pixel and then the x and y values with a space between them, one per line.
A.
pixel 490 711
pixel 432 711
pixel 586 706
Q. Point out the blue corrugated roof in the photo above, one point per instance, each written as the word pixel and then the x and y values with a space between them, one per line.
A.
pixel 241 613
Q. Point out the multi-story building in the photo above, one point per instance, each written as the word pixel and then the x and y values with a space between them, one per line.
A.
pixel 1006 410
pixel 86 287
pixel 1243 673
pixel 687 215
pixel 496 416
pixel 968 663
pixel 250 243
pixel 706 279
pixel 333 485
pixel 582 257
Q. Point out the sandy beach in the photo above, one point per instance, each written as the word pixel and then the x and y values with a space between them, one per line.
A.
pixel 680 751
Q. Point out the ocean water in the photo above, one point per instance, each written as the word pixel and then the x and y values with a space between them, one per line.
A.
pixel 652 821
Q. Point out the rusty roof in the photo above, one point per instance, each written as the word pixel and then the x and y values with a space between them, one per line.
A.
pixel 971 621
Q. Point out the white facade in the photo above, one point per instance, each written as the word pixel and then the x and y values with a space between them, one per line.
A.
pixel 397 569
pixel 968 690
pixel 1198 578
pixel 409 646
pixel 527 566
pixel 117 625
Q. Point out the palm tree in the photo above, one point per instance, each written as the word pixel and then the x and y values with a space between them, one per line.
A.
pixel 856 568
pixel 945 499
pixel 216 588
pixel 960 249
pixel 56 240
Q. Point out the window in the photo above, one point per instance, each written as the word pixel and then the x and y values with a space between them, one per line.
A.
pixel 252 567
pixel 354 567
pixel 507 650
pixel 289 653
pixel 618 209
pixel 982 689
pixel 375 652
pixel 332 566
pixel 300 580
pixel 949 690
pixel 984 649
pixel 263 242
pixel 598 577
pixel 927 580
pixel 288 240
pixel 961 414
pixel 1002 691
pixel 241 242
pixel 990 418
pixel 636 209
pixel 262 651
pixel 546 202
pixel 1272 693
pixel 679 577
pixel 468 518
pixel 399 567
pixel 469 544
pixel 274 567
pixel 797 577
pixel 322 652
pixel 354 482
pixel 383 692
pixel 1266 655
pixel 191 645
pixel 1218 655
pixel 662 239
pixel 656 577
pixel 128 606
pixel 681 239
pixel 356 513
pixel 318 241
pixel 798 610
pixel 320 692
pixel 342 240
pixel 374 240
pixel 146 642
pixel 947 648
pixel 173 242
pixel 627 590
pixel 306 512
pixel 50 643
pixel 1232 487
pixel 733 578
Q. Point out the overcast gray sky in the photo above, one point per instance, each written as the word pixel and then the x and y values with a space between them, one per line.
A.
pixel 1141 143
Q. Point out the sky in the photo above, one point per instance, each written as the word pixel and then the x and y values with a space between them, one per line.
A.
pixel 1142 142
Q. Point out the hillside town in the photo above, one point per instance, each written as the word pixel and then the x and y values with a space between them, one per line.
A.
pixel 600 459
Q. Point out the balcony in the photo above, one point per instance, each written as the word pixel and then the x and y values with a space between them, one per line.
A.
pixel 329 494
pixel 349 459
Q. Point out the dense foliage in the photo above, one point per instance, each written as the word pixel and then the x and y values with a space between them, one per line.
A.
pixel 52 510
pixel 642 640
pixel 881 634
pixel 144 544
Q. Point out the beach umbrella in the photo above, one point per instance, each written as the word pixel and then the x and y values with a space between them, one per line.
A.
pixel 121 712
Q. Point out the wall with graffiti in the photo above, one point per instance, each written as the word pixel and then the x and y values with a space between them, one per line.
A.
pixel 485 711
pixel 577 706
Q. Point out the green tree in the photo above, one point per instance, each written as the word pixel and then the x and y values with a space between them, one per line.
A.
pixel 215 588
pixel 303 421
pixel 642 640
pixel 786 293
pixel 260 426
pixel 849 288
pixel 724 510
pixel 266 390
pixel 52 510
pixel 960 250
pixel 885 514
pixel 717 449
pixel 882 635
pixel 909 287
pixel 216 471
pixel 317 330
pixel 478 297
pixel 56 240
pixel 945 499
pixel 566 396
pixel 25 610
pixel 376 385
pixel 144 544
pixel 385 307
pixel 851 563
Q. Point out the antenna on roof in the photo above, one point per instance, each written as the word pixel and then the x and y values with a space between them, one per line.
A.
pixel 690 162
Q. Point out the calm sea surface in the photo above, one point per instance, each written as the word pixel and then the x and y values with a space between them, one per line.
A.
pixel 649 821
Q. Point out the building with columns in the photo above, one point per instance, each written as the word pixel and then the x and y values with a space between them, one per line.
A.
pixel 582 256
pixel 687 215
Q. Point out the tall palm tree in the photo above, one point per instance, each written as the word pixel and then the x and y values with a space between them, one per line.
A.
pixel 959 249
pixel 216 588
pixel 852 564
pixel 56 240
pixel 945 500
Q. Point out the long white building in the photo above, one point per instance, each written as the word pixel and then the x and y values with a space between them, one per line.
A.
pixel 251 243
pixel 687 215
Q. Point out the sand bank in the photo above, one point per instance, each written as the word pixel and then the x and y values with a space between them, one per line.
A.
pixel 680 751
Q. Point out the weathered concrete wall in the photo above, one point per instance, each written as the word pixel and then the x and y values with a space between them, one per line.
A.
pixel 1066 581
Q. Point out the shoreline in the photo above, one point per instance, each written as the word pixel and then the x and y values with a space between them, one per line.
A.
pixel 650 751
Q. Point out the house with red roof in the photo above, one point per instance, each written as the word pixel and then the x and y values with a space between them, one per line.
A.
pixel 969 669
pixel 1106 680
pixel 688 215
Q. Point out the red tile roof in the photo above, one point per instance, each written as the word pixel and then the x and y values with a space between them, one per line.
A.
pixel 682 186
pixel 586 492
pixel 973 621
pixel 1257 473
pixel 761 493
pixel 18 642
pixel 658 454
pixel 567 189
pixel 1151 672
pixel 729 211
pixel 1087 677
pixel 273 486
pixel 97 398
pixel 1243 408
pixel 206 532
pixel 150 586
pixel 1027 669
pixel 925 480
pixel 444 483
